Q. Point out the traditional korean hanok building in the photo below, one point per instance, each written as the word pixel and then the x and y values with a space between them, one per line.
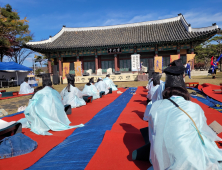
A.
pixel 111 46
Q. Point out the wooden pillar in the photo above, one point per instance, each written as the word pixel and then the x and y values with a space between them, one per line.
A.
pixel 118 67
pixel 99 61
pixel 49 66
pixel 115 62
pixel 96 63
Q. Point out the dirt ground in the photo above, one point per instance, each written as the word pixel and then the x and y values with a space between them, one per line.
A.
pixel 11 105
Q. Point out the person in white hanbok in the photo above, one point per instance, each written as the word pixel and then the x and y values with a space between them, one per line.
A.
pixel 71 95
pixel 157 95
pixel 178 141
pixel 102 86
pixel 25 87
pixel 155 84
pixel 91 90
pixel 110 83
pixel 45 110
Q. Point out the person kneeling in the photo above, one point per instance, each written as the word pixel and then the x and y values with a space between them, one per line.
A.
pixel 110 83
pixel 45 110
pixel 91 90
pixel 25 87
pixel 101 86
pixel 72 95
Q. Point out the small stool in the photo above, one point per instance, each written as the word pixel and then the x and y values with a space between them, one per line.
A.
pixel 88 99
pixel 68 109
pixel 110 90
pixel 101 94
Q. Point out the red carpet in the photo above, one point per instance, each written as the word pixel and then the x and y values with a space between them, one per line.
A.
pixel 46 143
pixel 115 151
pixel 19 95
pixel 208 90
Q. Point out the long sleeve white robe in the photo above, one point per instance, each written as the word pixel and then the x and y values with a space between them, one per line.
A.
pixel 73 98
pixel 102 86
pixel 110 83
pixel 175 143
pixel 91 91
pixel 156 94
pixel 25 88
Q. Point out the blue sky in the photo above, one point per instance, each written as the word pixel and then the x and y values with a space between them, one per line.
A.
pixel 47 17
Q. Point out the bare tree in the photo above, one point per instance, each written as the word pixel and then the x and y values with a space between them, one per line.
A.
pixel 20 56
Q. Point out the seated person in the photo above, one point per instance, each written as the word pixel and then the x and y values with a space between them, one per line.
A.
pixel 91 90
pixel 45 111
pixel 155 84
pixel 109 83
pixel 176 143
pixel 72 95
pixel 25 87
pixel 158 93
pixel 101 86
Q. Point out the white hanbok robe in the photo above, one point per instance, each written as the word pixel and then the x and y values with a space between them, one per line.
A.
pixel 152 89
pixel 45 112
pixel 25 88
pixel 175 143
pixel 91 91
pixel 101 86
pixel 73 98
pixel 156 95
pixel 110 83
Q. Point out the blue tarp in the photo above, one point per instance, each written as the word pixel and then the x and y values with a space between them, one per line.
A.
pixel 12 66
pixel 76 151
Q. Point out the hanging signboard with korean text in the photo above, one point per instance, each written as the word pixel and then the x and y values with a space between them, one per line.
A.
pixel 78 68
pixel 66 67
pixel 114 50
pixel 135 62
pixel 158 64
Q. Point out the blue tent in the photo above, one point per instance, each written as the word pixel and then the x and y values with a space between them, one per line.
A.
pixel 13 67
pixel 10 70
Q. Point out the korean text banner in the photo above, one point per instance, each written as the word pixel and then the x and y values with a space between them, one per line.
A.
pixel 66 67
pixel 174 57
pixel 78 68
pixel 135 62
pixel 158 64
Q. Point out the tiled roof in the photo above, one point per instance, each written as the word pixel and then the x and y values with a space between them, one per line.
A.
pixel 168 30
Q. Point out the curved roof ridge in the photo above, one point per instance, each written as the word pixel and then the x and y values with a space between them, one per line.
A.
pixel 161 21
pixel 51 39
pixel 180 18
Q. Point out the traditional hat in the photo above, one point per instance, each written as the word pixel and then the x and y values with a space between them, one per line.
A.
pixel 70 78
pixel 46 80
pixel 91 80
pixel 176 63
pixel 174 75
pixel 156 78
